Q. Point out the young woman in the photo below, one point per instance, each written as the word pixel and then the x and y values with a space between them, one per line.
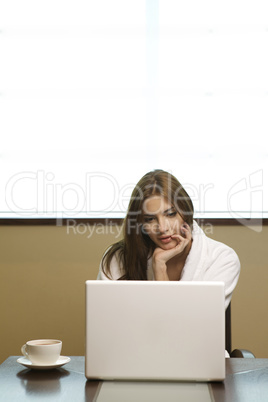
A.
pixel 162 242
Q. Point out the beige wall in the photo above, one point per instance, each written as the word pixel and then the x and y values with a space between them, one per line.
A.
pixel 43 270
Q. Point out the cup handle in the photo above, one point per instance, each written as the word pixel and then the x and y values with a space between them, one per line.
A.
pixel 23 350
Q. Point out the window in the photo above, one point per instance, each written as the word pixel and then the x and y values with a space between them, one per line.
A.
pixel 93 94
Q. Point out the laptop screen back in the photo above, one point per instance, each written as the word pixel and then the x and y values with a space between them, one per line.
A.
pixel 152 330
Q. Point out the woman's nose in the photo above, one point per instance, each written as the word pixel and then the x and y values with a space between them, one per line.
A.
pixel 162 226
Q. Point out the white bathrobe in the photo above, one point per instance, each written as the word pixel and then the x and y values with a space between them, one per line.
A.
pixel 208 260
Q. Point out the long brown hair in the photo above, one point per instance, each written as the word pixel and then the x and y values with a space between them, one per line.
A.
pixel 136 247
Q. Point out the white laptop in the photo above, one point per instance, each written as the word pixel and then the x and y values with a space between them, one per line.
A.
pixel 153 330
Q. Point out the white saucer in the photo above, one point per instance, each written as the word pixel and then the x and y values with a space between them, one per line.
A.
pixel 27 363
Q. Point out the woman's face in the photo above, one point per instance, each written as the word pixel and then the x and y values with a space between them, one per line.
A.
pixel 161 221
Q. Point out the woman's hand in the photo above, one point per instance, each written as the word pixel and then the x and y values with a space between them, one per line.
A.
pixel 162 256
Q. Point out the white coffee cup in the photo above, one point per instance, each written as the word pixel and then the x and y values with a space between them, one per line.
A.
pixel 42 351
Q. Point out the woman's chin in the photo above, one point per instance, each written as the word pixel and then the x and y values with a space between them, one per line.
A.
pixel 168 246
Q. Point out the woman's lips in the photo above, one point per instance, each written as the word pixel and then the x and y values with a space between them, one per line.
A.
pixel 166 239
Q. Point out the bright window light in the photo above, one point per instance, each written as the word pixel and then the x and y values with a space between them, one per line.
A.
pixel 94 94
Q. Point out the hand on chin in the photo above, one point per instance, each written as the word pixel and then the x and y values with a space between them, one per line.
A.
pixel 172 246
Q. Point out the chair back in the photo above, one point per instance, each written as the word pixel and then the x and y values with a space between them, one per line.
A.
pixel 228 332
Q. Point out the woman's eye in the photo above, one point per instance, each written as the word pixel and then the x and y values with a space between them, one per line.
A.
pixel 148 219
pixel 172 214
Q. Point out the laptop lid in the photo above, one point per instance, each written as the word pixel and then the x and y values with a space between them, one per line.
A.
pixel 153 330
